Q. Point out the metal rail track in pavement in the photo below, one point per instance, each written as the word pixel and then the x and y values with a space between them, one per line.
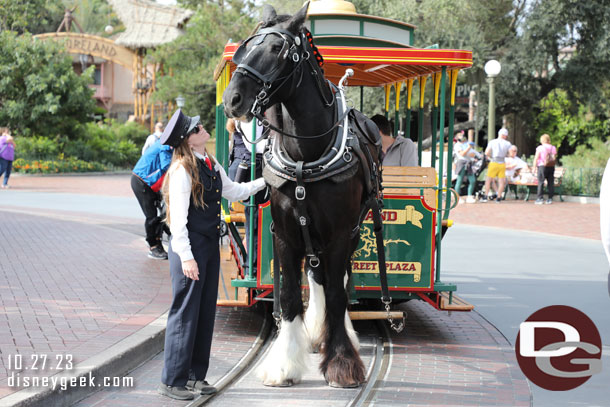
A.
pixel 241 386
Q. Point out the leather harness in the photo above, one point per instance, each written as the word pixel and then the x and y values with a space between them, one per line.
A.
pixel 351 136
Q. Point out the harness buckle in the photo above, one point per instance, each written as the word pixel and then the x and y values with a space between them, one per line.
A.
pixel 303 220
pixel 295 57
pixel 299 192
pixel 314 261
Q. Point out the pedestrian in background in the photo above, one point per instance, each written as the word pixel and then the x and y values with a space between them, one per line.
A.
pixel 514 165
pixel 465 153
pixel 7 155
pixel 544 161
pixel 496 151
pixel 146 182
pixel 193 188
pixel 399 151
pixel 153 138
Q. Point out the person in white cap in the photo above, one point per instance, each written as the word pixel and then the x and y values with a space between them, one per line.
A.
pixel 496 151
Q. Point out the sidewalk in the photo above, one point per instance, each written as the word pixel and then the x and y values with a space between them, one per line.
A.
pixel 71 290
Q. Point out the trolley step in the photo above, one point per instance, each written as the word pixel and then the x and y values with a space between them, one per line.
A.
pixel 457 303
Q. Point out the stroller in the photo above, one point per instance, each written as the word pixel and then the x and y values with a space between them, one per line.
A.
pixel 477 165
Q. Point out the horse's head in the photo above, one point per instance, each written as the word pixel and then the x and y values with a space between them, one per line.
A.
pixel 266 63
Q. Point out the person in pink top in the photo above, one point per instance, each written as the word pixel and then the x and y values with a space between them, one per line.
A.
pixel 544 161
pixel 7 155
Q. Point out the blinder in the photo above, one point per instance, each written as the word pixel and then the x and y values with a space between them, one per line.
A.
pixel 290 51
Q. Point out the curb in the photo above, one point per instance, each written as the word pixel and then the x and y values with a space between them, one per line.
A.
pixel 75 174
pixel 117 360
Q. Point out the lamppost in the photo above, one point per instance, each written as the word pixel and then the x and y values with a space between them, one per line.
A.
pixel 180 102
pixel 492 69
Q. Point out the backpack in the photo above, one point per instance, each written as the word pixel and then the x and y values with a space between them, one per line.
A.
pixel 550 159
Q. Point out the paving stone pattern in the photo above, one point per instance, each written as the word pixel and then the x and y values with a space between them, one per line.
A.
pixel 234 332
pixel 72 288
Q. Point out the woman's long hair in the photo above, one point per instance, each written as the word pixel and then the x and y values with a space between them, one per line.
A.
pixel 183 155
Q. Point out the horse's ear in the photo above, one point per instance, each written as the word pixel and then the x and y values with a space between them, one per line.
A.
pixel 297 20
pixel 269 15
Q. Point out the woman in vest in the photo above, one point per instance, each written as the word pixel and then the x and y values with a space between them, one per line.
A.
pixel 193 189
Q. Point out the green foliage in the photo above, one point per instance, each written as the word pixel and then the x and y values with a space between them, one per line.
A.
pixel 593 154
pixel 570 125
pixel 582 181
pixel 24 166
pixel 110 144
pixel 94 15
pixel 37 148
pixel 193 57
pixel 40 94
pixel 535 62
pixel 34 16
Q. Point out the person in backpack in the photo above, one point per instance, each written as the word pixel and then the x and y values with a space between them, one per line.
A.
pixel 544 161
pixel 7 156
pixel 146 182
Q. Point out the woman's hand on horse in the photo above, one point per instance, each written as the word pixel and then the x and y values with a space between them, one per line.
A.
pixel 190 269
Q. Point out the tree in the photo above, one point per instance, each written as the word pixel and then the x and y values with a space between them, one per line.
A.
pixel 40 94
pixel 192 58
pixel 34 16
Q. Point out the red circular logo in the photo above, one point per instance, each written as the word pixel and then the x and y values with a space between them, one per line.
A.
pixel 558 348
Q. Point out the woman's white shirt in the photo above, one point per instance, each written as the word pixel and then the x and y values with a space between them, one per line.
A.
pixel 180 198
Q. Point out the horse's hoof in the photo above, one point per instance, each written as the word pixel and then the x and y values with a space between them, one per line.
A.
pixel 343 386
pixel 285 383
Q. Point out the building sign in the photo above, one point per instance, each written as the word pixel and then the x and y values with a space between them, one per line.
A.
pixel 93 45
pixel 462 94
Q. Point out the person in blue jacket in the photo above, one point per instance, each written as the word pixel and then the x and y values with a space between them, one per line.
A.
pixel 146 181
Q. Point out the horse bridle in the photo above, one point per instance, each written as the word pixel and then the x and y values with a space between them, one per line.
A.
pixel 294 48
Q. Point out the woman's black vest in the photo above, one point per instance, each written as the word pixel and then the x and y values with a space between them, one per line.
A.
pixel 206 220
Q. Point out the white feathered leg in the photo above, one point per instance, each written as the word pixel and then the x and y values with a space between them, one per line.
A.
pixel 285 363
pixel 351 332
pixel 316 312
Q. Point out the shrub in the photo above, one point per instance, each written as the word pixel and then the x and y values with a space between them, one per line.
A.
pixel 24 166
pixel 37 148
pixel 111 144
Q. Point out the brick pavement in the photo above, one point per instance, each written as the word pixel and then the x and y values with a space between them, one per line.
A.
pixel 561 218
pixel 73 288
pixel 452 359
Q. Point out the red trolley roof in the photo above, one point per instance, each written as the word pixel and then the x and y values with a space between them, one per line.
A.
pixel 376 66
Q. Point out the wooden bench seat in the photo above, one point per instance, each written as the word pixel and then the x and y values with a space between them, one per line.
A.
pixel 531 182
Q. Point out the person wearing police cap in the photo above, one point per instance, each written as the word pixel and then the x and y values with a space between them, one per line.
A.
pixel 193 188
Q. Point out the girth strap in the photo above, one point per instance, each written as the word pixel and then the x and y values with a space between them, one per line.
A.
pixel 303 217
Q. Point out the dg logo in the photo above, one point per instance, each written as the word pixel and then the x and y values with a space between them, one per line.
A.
pixel 559 348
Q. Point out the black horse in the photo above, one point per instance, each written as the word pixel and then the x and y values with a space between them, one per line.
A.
pixel 320 191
